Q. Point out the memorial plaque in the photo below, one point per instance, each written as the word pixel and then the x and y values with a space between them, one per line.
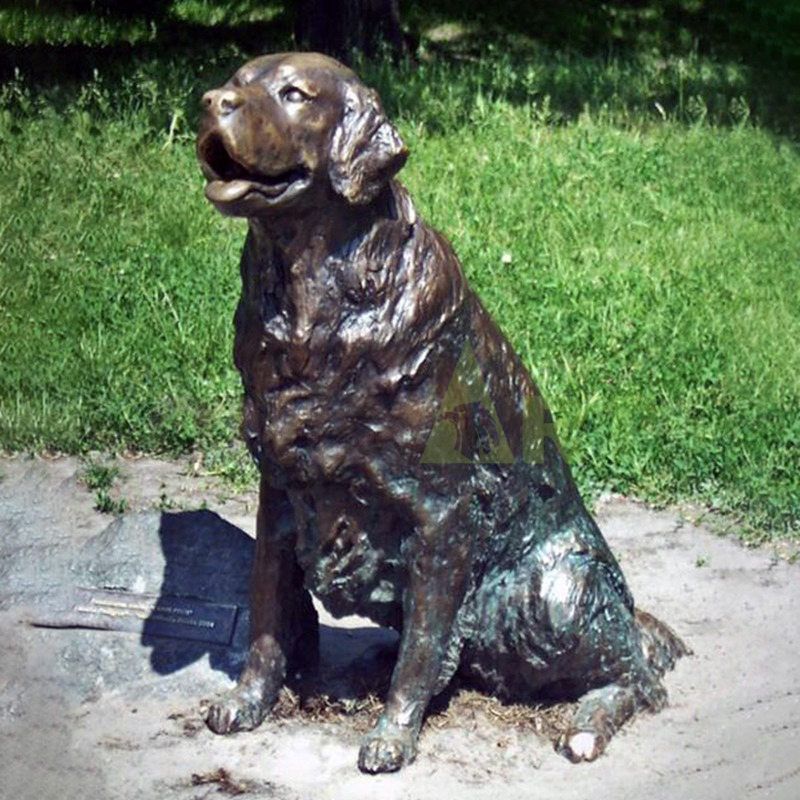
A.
pixel 153 615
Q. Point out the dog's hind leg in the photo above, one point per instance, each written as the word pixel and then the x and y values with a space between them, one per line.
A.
pixel 614 663
pixel 283 621
pixel 602 711
pixel 563 625
pixel 600 714
pixel 649 649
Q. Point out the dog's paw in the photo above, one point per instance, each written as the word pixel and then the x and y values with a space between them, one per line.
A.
pixel 387 748
pixel 240 709
pixel 580 746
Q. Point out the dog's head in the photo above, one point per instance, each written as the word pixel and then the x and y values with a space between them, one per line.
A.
pixel 287 129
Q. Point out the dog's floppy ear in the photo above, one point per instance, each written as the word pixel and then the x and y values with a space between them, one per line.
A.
pixel 366 149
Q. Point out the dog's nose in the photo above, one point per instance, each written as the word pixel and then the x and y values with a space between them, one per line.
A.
pixel 222 101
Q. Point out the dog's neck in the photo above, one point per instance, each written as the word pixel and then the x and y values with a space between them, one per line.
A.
pixel 296 262
pixel 306 238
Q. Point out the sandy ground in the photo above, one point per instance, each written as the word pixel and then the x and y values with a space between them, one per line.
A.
pixel 732 729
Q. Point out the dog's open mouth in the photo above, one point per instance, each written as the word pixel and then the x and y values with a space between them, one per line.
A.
pixel 229 180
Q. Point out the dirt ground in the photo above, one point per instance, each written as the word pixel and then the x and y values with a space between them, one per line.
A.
pixel 70 729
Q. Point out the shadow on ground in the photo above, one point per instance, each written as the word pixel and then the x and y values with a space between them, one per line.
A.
pixel 208 559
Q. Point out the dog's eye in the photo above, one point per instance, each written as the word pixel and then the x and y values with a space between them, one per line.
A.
pixel 294 95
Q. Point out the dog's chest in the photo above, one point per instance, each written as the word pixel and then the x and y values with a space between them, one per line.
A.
pixel 300 324
pixel 308 349
pixel 349 548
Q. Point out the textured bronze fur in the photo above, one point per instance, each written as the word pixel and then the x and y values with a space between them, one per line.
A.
pixel 353 320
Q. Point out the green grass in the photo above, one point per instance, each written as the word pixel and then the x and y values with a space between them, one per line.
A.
pixel 653 289
pixel 653 284
pixel 100 478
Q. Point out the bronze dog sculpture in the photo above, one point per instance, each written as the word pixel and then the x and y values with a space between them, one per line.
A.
pixel 409 469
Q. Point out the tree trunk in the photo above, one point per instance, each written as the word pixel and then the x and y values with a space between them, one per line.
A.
pixel 338 27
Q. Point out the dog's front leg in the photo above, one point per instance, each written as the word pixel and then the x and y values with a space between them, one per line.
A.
pixel 283 621
pixel 436 586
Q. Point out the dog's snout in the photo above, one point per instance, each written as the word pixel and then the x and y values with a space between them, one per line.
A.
pixel 222 101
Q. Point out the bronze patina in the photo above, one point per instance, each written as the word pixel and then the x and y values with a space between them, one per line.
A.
pixel 409 468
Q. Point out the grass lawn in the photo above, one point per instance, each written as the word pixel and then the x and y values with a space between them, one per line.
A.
pixel 644 259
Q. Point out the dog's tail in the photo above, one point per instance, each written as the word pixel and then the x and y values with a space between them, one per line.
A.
pixel 662 646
